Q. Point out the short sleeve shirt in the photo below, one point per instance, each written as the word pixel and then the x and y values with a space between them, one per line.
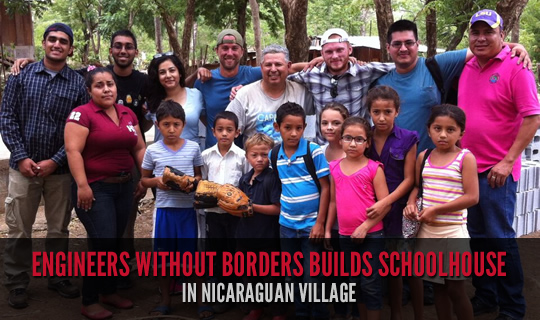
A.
pixel 217 90
pixel 495 112
pixel 299 194
pixel 418 92
pixel 265 190
pixel 159 155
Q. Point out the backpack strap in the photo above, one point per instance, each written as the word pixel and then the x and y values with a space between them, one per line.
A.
pixel 273 159
pixel 421 181
pixel 436 73
pixel 310 165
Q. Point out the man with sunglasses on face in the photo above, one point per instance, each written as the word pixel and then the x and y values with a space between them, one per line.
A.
pixel 35 106
pixel 413 81
pixel 338 79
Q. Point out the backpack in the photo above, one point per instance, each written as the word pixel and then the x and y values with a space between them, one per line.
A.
pixel 449 96
pixel 308 160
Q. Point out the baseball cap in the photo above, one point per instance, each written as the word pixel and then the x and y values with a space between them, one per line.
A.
pixel 328 33
pixel 488 16
pixel 230 32
pixel 59 26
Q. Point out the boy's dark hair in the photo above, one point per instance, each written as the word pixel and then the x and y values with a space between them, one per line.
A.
pixel 382 93
pixel 227 115
pixel 170 108
pixel 401 25
pixel 124 33
pixel 290 109
pixel 448 110
pixel 89 77
pixel 156 92
pixel 358 121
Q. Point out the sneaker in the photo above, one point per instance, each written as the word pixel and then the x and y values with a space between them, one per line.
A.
pixel 65 289
pixel 18 298
pixel 480 308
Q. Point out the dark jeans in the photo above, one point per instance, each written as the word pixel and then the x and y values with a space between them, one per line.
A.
pixel 221 237
pixel 298 241
pixel 104 223
pixel 368 289
pixel 490 227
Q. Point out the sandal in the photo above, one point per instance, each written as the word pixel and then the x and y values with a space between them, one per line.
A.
pixel 203 309
pixel 163 310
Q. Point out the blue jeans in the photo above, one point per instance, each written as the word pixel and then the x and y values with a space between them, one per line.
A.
pixel 490 227
pixel 368 289
pixel 104 223
pixel 298 241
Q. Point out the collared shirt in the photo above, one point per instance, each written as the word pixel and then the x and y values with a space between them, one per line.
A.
pixel 265 189
pixel 299 194
pixel 35 106
pixel 398 143
pixel 107 152
pixel 352 87
pixel 224 169
pixel 495 99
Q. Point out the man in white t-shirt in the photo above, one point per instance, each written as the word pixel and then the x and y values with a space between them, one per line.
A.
pixel 256 104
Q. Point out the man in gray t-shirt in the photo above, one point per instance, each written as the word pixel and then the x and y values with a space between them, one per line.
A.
pixel 256 104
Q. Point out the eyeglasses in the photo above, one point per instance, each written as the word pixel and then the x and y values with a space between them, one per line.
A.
pixel 159 55
pixel 397 44
pixel 334 83
pixel 128 46
pixel 358 140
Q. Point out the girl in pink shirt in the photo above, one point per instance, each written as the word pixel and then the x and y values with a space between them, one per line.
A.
pixel 355 185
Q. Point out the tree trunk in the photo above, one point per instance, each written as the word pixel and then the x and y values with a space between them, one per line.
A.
pixel 514 38
pixel 385 18
pixel 157 27
pixel 241 8
pixel 510 11
pixel 171 32
pixel 256 29
pixel 461 27
pixel 296 37
pixel 431 30
pixel 186 37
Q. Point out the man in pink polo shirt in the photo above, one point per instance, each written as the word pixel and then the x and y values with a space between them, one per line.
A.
pixel 500 100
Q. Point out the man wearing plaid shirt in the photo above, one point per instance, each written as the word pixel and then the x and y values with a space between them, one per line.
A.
pixel 337 79
pixel 35 106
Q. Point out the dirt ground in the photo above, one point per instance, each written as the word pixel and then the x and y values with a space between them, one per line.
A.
pixel 45 304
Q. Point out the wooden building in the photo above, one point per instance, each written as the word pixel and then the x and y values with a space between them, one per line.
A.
pixel 16 36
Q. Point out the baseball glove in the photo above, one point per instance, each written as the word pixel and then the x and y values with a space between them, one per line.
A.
pixel 234 201
pixel 177 180
pixel 206 195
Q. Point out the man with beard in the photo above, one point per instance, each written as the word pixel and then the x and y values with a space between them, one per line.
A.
pixel 338 79
pixel 256 104
pixel 216 90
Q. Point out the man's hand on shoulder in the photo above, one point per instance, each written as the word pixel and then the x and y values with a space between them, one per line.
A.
pixel 204 74
pixel 523 56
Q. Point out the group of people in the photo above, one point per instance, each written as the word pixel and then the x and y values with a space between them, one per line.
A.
pixel 382 133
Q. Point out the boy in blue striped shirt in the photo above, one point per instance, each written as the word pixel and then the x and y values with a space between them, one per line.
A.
pixel 304 197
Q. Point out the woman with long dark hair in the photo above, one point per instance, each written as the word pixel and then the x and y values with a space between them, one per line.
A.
pixel 166 81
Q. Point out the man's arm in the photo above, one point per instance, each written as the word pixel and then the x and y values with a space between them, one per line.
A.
pixel 10 128
pixel 202 74
pixel 504 168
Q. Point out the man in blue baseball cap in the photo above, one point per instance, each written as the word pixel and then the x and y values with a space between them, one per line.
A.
pixel 35 106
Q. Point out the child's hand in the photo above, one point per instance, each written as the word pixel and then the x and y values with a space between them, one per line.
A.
pixel 161 185
pixel 411 211
pixel 317 232
pixel 359 235
pixel 378 209
pixel 327 239
pixel 427 215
